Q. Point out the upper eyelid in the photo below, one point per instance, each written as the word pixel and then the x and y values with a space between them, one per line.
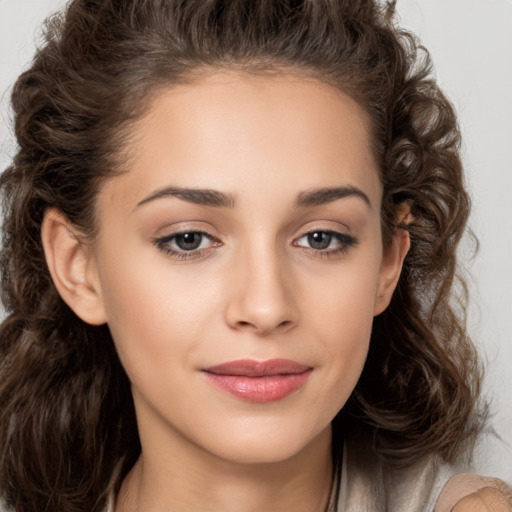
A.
pixel 184 232
pixel 325 230
pixel 316 229
pixel 179 228
pixel 213 233
pixel 324 224
pixel 340 234
pixel 298 234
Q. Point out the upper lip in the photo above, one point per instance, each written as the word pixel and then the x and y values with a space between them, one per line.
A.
pixel 251 368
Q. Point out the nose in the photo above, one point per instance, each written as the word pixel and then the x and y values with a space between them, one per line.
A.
pixel 262 300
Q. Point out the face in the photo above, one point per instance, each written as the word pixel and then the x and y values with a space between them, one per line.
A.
pixel 239 264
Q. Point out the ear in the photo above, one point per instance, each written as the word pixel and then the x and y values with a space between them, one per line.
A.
pixel 392 260
pixel 73 268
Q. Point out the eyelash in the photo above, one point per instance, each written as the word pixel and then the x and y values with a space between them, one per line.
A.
pixel 345 240
pixel 163 244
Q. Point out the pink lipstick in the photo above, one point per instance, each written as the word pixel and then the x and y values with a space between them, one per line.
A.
pixel 256 381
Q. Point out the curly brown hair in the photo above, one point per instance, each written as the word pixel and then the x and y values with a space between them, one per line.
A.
pixel 67 414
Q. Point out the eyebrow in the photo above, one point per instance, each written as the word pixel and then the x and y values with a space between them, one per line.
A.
pixel 204 197
pixel 217 199
pixel 317 197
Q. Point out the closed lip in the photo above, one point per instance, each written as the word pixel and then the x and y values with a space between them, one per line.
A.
pixel 252 368
pixel 259 381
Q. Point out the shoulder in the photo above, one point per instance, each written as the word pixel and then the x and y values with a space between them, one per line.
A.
pixel 471 492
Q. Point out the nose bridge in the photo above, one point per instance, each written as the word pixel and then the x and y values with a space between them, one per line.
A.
pixel 262 300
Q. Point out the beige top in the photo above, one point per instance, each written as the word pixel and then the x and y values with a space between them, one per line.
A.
pixel 367 487
pixel 426 487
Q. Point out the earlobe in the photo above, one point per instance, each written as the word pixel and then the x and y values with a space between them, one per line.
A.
pixel 392 260
pixel 72 268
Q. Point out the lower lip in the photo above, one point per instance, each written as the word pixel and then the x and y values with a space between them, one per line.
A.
pixel 260 389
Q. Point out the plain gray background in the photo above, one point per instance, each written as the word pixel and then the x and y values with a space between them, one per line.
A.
pixel 471 45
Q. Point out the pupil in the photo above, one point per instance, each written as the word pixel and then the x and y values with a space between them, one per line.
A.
pixel 189 241
pixel 319 240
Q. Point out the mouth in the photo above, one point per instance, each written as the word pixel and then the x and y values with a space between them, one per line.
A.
pixel 259 381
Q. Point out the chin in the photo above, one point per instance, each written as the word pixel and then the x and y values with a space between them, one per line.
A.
pixel 264 446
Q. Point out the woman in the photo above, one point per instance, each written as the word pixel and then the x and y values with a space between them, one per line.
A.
pixel 228 266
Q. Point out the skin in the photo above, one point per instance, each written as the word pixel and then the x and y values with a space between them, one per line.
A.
pixel 485 500
pixel 467 492
pixel 257 287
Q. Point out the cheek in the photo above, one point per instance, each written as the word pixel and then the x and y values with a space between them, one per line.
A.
pixel 347 329
pixel 344 298
pixel 155 318
pixel 341 315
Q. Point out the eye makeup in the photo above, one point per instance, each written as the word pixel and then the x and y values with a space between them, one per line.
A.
pixel 326 243
pixel 186 244
pixel 194 244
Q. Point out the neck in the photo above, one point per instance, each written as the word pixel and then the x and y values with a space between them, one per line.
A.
pixel 158 482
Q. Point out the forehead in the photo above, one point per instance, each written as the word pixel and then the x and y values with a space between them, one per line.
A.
pixel 234 130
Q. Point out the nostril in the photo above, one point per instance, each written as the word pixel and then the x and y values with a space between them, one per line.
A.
pixel 249 325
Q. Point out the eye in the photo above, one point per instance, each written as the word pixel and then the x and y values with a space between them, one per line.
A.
pixel 319 240
pixel 326 242
pixel 185 244
pixel 189 241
